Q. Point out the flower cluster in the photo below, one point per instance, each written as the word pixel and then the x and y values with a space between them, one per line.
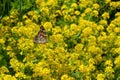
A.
pixel 83 42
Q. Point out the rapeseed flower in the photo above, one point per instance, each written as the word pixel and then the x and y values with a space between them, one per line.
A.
pixel 117 30
pixel 2 41
pixel 117 42
pixel 100 28
pixel 92 67
pixel 109 72
pixel 96 6
pixel 79 47
pixel 103 22
pixel 20 75
pixel 56 30
pixel 58 38
pixel 117 50
pixel 108 63
pixel 45 11
pixel 100 76
pixel 87 31
pixel 66 77
pixel 74 5
pixel 48 26
pixel 63 7
pixel 117 14
pixel 105 15
pixel 88 10
pixel 9 77
pixel 77 12
pixel 3 70
pixel 18 67
pixel 51 3
pixel 95 12
pixel 109 69
pixel 107 1
pixel 84 69
pixel 110 28
pixel 77 44
pixel 117 61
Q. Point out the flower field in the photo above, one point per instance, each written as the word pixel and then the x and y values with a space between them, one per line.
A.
pixel 83 41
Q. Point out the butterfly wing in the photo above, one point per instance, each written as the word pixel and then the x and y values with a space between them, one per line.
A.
pixel 41 36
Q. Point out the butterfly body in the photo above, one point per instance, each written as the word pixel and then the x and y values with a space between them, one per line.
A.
pixel 41 36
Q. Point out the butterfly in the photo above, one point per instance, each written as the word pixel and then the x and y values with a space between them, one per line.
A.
pixel 41 36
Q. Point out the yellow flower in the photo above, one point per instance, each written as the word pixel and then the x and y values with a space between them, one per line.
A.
pixel 2 41
pixel 87 31
pixel 19 24
pixel 74 5
pixel 73 18
pixel 114 4
pixel 100 27
pixel 60 50
pixel 107 1
pixel 83 15
pixel 13 14
pixel 16 65
pixel 3 69
pixel 67 17
pixel 79 47
pixel 108 63
pixel 116 21
pixel 117 50
pixel 95 12
pixel 94 49
pixel 20 75
pixel 25 43
pixel 47 26
pixel 96 6
pixel 9 77
pixel 63 7
pixel 58 12
pixel 74 27
pixel 117 29
pixel 92 67
pixel 9 48
pixel 109 69
pixel 56 30
pixel 117 61
pixel 66 77
pixel 110 28
pixel 88 10
pixel 45 11
pixel 117 14
pixel 109 72
pixel 87 78
pixel 117 42
pixel 25 17
pixel 91 61
pixel 105 15
pixel 70 31
pixel 70 10
pixel 103 22
pixel 40 70
pixel 51 3
pixel 77 12
pixel 100 76
pixel 92 40
pixel 28 21
pixel 56 38
pixel 98 58
pixel 84 69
